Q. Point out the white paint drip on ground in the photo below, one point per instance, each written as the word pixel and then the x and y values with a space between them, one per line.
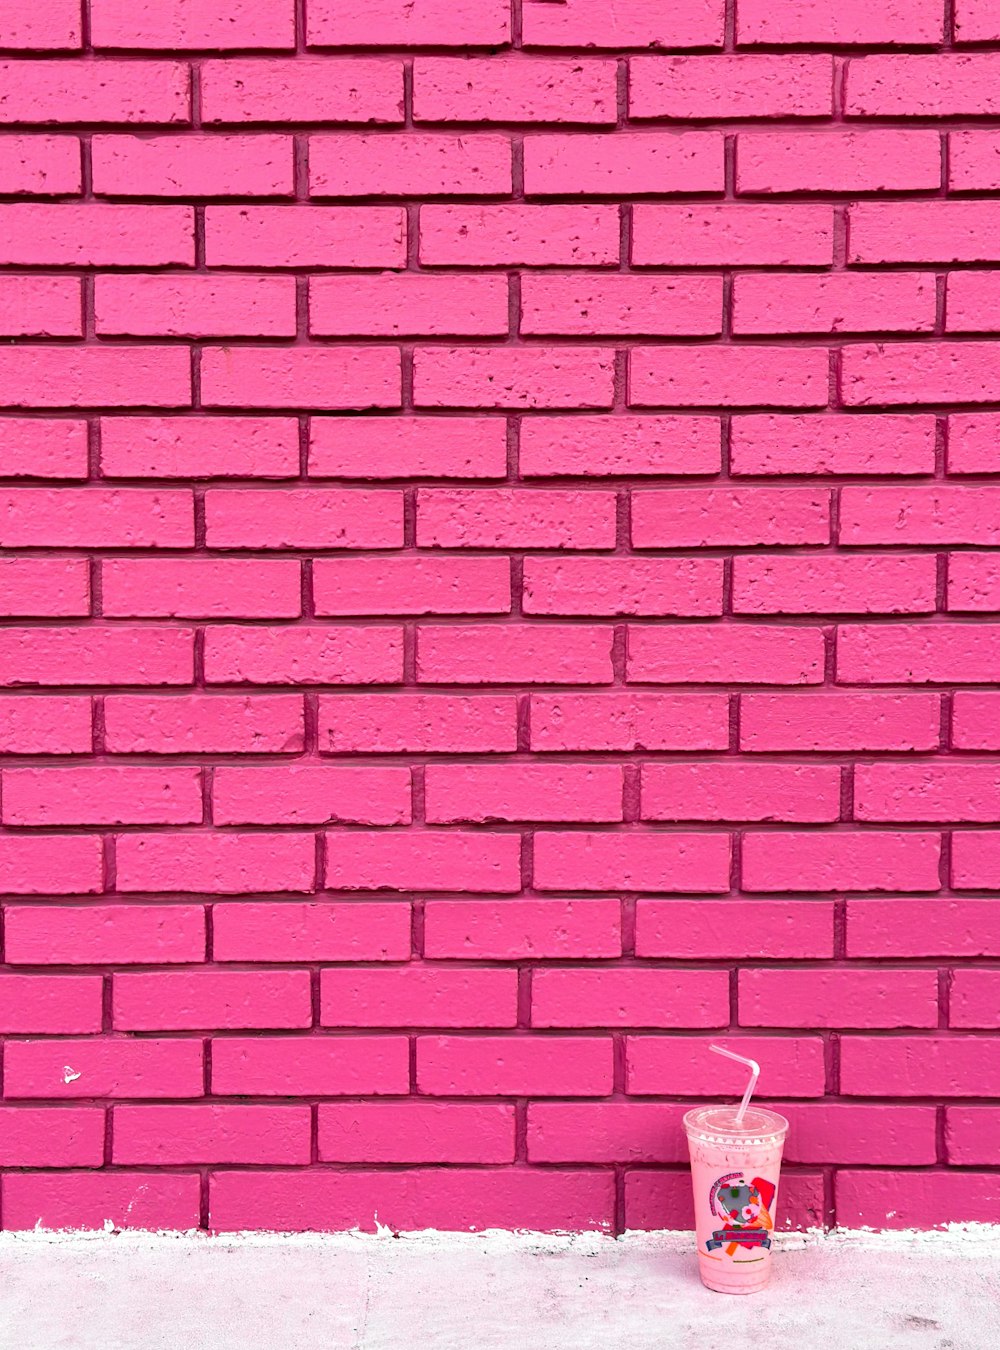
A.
pixel 490 1291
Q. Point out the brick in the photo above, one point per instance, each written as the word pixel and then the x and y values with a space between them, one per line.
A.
pixel 484 792
pixel 302 89
pixel 311 794
pixel 627 164
pixel 975 21
pixel 971 1134
pixel 878 860
pixel 417 23
pixel 870 1198
pixel 974 999
pixel 203 724
pixel 908 654
pixel 168 24
pixel 408 304
pixel 304 236
pixel 215 165
pixel 81 377
pixel 814 997
pixel 849 1133
pixel 103 1068
pixel 46 587
pixel 520 929
pixel 943 84
pixel 920 1066
pixel 948 791
pixel 512 377
pixel 923 232
pixel 629 721
pixel 43 447
pixel 119 655
pixel 186 1000
pixel 49 1004
pixel 58 25
pixel 199 447
pixel 974 859
pixel 303 518
pixel 913 22
pixel 416 1132
pixel 96 234
pixel 410 447
pixel 208 588
pixel 312 1066
pixel 431 860
pixel 514 654
pixel 623 444
pixel 942 372
pixel 600 586
pixel 840 721
pixel 195 306
pixel 293 377
pixel 174 1135
pixel 42 1136
pixel 732 235
pixel 95 795
pixel 60 1200
pixel 837 161
pixel 422 723
pixel 731 790
pixel 56 864
pixel 45 166
pixel 794 1065
pixel 840 302
pixel 585 305
pixel 863 443
pixel 604 1132
pixel 408 585
pixel 40 307
pixel 631 862
pixel 506 518
pixel 861 583
pixel 313 931
pixel 505 89
pixel 734 929
pixel 90 935
pixel 106 91
pixel 418 1198
pixel 223 864
pixel 514 1066
pixel 40 725
pixel 409 164
pixel 303 655
pixel 730 376
pixel 637 23
pixel 973 301
pixel 638 997
pixel 714 88
pixel 975 724
pixel 510 235
pixel 915 927
pixel 973 161
pixel 418 996
pixel 652 1196
pixel 713 517
pixel 974 443
pixel 706 654
pixel 97 517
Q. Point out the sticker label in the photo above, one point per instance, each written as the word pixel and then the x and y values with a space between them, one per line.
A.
pixel 745 1210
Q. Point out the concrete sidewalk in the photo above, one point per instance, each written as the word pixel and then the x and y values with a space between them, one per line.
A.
pixel 495 1291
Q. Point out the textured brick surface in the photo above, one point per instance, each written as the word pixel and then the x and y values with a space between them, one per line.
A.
pixel 500 504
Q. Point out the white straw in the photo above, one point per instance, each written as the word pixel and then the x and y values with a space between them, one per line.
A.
pixel 754 1068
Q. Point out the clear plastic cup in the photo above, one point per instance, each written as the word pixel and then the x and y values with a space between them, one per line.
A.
pixel 734 1171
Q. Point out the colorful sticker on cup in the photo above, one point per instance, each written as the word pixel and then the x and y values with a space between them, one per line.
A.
pixel 745 1209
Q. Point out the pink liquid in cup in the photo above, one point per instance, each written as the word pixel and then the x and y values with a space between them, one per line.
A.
pixel 735 1170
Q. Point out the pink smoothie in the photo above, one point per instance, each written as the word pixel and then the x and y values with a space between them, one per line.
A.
pixel 734 1170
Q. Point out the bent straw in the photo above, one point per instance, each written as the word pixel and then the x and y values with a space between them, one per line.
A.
pixel 754 1068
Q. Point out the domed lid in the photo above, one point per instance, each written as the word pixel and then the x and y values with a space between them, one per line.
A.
pixel 718 1125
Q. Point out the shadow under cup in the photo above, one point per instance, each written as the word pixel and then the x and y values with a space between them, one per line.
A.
pixel 735 1169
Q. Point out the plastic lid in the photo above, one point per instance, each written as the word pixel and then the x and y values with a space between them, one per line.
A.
pixel 717 1125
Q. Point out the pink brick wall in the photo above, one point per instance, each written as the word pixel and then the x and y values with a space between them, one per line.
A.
pixel 498 501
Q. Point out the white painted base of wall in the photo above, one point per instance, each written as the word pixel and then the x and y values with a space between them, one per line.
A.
pixel 494 1291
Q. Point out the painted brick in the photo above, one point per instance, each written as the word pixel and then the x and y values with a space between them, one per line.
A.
pixel 311 795
pixel 915 927
pixel 740 791
pixel 630 998
pixel 766 443
pixel 97 518
pixel 89 377
pixel 973 161
pixel 975 723
pixel 810 997
pixel 120 655
pixel 905 654
pixel 105 934
pixel 973 443
pixel 731 376
pixel 719 929
pixel 511 377
pixel 974 999
pixel 46 166
pixel 974 859
pixel 970 1134
pixel 56 864
pixel 954 791
pixel 394 304
pixel 109 91
pixel 199 447
pixel 418 996
pixel 42 1136
pixel 226 864
pixel 681 653
pixel 308 518
pixel 252 931
pixel 303 236
pixel 313 1066
pixel 504 89
pixel 290 377
pixel 629 721
pixel 416 1132
pixel 875 861
pixel 584 305
pixel 473 23
pixel 841 302
pixel 201 588
pixel 192 166
pixel 632 862
pixel 624 165
pixel 49 1004
pixel 913 22
pixel 434 860
pixel 422 723
pixel 622 23
pixel 91 1067
pixel 175 1135
pixel 192 23
pixel 43 447
pixel 66 234
pixel 651 1196
pixel 194 306
pixel 58 25
pixel 973 300
pixel 732 235
pixel 935 1198
pixel 515 654
pixel 505 518
pixel 975 21
pixel 225 999
pixel 795 1065
pixel 514 1066
pixel 840 721
pixel 512 235
pixel 872 160
pixel 203 724
pixel 633 444
pixel 41 725
pixel 411 447
pixel 407 164
pixel 923 232
pixel 920 1066
pixel 53 588
pixel 712 88
pixel 448 585
pixel 479 793
pixel 60 1200
pixel 305 89
pixel 600 586
pixel 102 796
pixel 306 655
pixel 716 517
pixel 520 929
pixel 930 85
pixel 859 583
